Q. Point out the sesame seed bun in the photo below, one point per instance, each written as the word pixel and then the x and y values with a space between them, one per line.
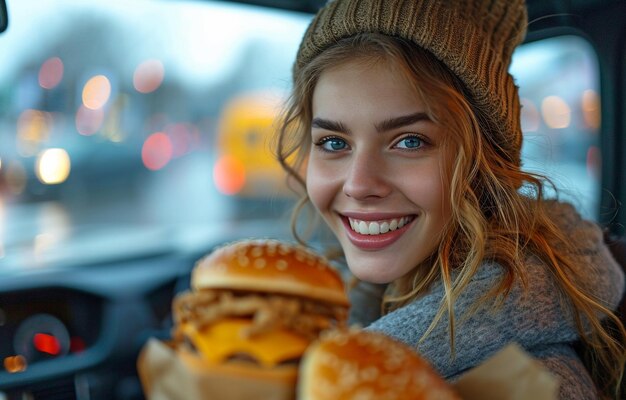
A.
pixel 350 364
pixel 270 266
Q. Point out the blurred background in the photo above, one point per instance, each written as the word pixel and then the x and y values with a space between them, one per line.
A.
pixel 156 114
pixel 138 115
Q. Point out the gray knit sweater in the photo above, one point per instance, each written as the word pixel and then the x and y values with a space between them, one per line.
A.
pixel 536 319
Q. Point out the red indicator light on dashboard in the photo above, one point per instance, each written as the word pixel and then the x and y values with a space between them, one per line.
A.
pixel 47 344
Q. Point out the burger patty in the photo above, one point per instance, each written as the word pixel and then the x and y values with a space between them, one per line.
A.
pixel 267 311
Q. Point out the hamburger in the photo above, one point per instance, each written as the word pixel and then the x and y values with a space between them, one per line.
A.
pixel 253 308
pixel 365 365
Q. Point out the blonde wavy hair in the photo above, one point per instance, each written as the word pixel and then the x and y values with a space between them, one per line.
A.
pixel 498 211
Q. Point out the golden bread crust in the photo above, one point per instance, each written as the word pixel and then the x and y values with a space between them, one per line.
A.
pixel 351 364
pixel 270 266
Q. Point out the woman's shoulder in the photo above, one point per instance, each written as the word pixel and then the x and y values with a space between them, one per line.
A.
pixel 585 247
pixel 582 232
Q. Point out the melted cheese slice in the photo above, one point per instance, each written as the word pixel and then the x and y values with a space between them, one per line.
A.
pixel 225 338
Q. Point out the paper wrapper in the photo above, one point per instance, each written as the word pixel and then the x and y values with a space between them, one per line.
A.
pixel 511 374
pixel 169 374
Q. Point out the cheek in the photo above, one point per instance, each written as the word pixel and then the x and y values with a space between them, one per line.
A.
pixel 320 184
pixel 430 193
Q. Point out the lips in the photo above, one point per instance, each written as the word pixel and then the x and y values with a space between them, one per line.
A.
pixel 375 233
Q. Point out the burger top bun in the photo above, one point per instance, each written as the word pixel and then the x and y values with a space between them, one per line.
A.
pixel 270 266
pixel 358 364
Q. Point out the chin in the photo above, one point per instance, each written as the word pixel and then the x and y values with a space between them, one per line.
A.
pixel 369 270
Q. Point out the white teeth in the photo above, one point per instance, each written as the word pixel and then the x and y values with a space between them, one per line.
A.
pixel 378 227
pixel 384 227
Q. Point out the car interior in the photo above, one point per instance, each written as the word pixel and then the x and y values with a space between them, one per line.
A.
pixel 135 139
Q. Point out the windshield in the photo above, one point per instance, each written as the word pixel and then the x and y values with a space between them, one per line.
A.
pixel 118 116
pixel 114 113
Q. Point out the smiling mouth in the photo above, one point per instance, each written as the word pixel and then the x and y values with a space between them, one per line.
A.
pixel 380 227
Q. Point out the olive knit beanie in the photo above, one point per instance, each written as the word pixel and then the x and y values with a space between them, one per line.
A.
pixel 473 38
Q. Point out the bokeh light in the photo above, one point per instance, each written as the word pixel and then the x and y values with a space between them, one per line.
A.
pixel 148 76
pixel 591 109
pixel 96 92
pixel 14 364
pixel 47 343
pixel 89 121
pixel 594 162
pixel 556 113
pixel 33 128
pixel 157 151
pixel 52 166
pixel 229 175
pixel 51 73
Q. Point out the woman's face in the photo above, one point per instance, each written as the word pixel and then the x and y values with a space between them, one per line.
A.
pixel 375 170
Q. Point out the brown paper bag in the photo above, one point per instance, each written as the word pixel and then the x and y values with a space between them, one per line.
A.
pixel 511 374
pixel 170 374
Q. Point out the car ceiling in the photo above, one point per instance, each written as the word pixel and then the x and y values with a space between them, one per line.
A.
pixel 536 8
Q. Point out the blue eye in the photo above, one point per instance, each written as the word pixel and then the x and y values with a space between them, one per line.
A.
pixel 332 144
pixel 410 142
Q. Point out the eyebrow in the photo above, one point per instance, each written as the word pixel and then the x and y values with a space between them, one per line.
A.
pixel 329 125
pixel 386 125
pixel 399 122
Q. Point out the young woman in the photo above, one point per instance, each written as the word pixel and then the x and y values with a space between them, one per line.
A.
pixel 404 131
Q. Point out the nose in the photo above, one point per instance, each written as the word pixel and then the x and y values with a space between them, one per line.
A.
pixel 366 177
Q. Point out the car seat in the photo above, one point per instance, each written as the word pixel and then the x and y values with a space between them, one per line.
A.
pixel 617 246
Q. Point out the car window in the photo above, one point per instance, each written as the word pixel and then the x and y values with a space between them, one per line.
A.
pixel 138 113
pixel 151 113
pixel 559 92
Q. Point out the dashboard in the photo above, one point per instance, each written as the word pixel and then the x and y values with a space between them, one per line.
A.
pixel 58 322
pixel 76 334
pixel 72 327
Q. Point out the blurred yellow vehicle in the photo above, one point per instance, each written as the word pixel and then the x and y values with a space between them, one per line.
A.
pixel 245 163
